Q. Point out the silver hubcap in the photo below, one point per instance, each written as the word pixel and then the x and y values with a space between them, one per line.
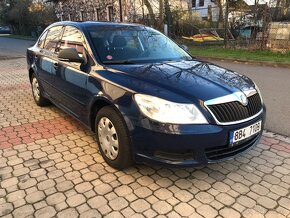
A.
pixel 108 138
pixel 35 89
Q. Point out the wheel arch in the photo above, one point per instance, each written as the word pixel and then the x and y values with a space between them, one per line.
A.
pixel 98 103
pixel 31 71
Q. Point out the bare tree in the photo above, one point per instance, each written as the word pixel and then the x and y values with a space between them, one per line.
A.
pixel 151 12
pixel 219 3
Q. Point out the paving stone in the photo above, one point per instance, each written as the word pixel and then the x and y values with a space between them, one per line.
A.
pixel 123 190
pixel 151 213
pixel 229 213
pixel 267 202
pixel 70 212
pixel 75 200
pixel 163 194
pixel 271 179
pixel 183 184
pixel 202 185
pixel 145 180
pixel 204 197
pixel 90 214
pixel 118 203
pixel 45 212
pixel 114 214
pixel 9 182
pixel 14 196
pixel 240 188
pixel 207 211
pixel 250 213
pixel 64 186
pixel 140 205
pixel 46 184
pixel 143 192
pixel 162 207
pixel 82 208
pixel 273 214
pixel 5 209
pixel 183 195
pixel 97 202
pixel 83 187
pixel 55 198
pixel 103 189
pixel 221 187
pixel 261 190
pixel 27 183
pixel 90 176
pixel 40 204
pixel 225 199
pixel 35 197
pixel 164 182
pixel 246 201
pixel 104 210
pixel 284 202
pixel 23 211
pixel 184 209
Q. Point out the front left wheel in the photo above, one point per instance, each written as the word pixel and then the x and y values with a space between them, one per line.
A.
pixel 113 138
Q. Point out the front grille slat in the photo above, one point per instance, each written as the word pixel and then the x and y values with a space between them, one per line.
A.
pixel 235 111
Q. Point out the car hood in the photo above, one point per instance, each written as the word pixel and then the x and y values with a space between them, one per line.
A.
pixel 189 79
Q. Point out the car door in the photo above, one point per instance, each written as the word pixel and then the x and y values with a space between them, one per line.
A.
pixel 46 59
pixel 70 80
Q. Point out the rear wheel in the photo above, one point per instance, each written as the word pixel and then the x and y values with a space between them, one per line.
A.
pixel 37 92
pixel 113 138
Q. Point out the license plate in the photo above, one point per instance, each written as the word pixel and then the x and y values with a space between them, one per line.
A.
pixel 244 133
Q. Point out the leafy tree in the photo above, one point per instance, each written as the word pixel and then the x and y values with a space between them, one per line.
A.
pixel 26 16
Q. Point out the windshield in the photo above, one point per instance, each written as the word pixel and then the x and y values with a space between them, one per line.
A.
pixel 133 44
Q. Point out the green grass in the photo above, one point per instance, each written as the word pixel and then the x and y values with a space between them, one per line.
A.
pixel 19 37
pixel 239 54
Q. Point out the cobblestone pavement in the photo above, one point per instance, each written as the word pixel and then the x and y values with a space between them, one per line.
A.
pixel 50 167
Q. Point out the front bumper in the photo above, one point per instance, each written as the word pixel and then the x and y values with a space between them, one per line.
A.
pixel 188 145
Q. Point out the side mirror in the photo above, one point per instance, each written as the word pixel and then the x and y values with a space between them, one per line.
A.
pixel 70 55
pixel 184 47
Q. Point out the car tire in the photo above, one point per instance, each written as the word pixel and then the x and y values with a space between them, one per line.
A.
pixel 113 138
pixel 37 92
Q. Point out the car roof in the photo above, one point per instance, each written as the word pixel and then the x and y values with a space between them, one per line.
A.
pixel 81 24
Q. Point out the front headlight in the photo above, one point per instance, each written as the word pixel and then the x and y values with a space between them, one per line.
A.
pixel 169 112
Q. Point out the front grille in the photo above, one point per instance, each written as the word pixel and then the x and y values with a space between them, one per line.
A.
pixel 221 152
pixel 235 111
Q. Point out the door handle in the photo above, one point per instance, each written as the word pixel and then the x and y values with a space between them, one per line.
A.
pixel 55 66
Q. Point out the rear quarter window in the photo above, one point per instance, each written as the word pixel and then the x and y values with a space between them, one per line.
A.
pixel 41 40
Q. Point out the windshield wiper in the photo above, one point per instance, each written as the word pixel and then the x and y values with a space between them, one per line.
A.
pixel 120 62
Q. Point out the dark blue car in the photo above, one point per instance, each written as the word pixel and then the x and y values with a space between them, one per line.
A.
pixel 145 97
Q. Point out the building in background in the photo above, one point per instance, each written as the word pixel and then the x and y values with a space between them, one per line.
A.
pixel 206 9
pixel 110 10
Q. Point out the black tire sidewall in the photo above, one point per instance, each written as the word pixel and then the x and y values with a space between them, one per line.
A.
pixel 124 158
pixel 41 101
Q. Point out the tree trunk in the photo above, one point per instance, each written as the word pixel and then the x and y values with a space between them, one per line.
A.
pixel 151 12
pixel 161 15
pixel 221 11
pixel 276 13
